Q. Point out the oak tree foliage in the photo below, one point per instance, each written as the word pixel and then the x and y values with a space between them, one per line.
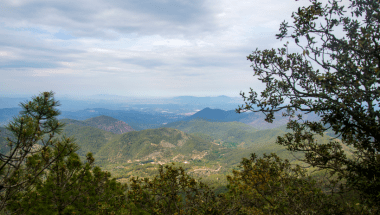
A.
pixel 341 86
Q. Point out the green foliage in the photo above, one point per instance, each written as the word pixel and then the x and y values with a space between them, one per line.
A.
pixel 69 186
pixel 51 178
pixel 89 139
pixel 40 173
pixel 344 94
pixel 32 132
pixel 110 124
pixel 172 191
pixel 4 133
pixel 163 143
pixel 270 185
pixel 104 123
pixel 227 132
pixel 212 128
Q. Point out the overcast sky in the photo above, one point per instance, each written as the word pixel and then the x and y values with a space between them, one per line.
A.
pixel 136 47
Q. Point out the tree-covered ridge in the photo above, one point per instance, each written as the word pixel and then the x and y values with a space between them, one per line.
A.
pixel 136 119
pixel 255 120
pixel 129 154
pixel 232 134
pixel 105 123
pixel 110 124
pixel 229 134
pixel 198 125
pixel 158 145
pixel 89 139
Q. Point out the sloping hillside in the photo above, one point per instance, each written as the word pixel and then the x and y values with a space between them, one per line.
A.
pixel 110 124
pixel 216 115
pixel 105 123
pixel 212 128
pixel 156 145
pixel 228 134
pixel 256 120
pixel 88 138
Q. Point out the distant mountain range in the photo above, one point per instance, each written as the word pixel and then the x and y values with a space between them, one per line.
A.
pixel 142 120
pixel 7 114
pixel 254 119
pixel 105 123
pixel 136 119
pixel 181 104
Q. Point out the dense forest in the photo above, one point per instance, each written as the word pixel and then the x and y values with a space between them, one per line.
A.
pixel 103 166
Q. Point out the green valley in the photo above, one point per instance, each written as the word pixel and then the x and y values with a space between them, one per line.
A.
pixel 206 149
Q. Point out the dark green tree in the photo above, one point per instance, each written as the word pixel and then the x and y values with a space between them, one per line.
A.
pixel 173 191
pixel 341 86
pixel 32 132
pixel 270 185
pixel 41 173
pixel 70 186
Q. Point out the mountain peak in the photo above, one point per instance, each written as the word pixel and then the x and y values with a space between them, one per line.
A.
pixel 110 124
pixel 216 115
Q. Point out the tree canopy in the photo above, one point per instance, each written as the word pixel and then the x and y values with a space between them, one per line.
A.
pixel 335 77
pixel 40 173
pixel 31 133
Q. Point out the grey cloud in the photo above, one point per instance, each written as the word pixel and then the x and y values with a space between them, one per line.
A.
pixel 95 18
pixel 146 63
pixel 160 46
pixel 211 61
pixel 23 49
pixel 28 64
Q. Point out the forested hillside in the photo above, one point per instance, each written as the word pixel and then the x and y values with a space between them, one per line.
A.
pixel 255 120
pixel 229 134
pixel 88 138
pixel 105 123
pixel 161 145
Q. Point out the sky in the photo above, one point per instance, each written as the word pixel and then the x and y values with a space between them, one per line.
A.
pixel 152 48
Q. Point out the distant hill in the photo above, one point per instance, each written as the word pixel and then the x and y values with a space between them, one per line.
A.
pixel 155 145
pixel 110 124
pixel 7 114
pixel 105 123
pixel 211 128
pixel 256 120
pixel 136 119
pixel 89 139
pixel 228 134
pixel 216 115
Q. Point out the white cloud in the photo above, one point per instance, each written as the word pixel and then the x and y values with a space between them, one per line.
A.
pixel 169 47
